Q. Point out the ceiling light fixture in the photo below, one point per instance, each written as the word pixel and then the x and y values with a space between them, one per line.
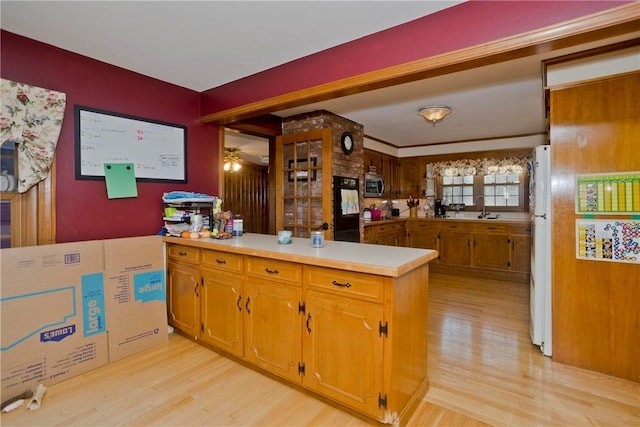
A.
pixel 434 113
pixel 231 161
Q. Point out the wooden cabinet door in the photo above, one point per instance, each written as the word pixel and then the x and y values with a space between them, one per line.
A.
pixel 386 235
pixel 411 174
pixel 491 251
pixel 273 331
pixel 455 248
pixel 391 176
pixel 222 307
pixel 183 297
pixel 401 234
pixel 343 350
pixel 371 234
pixel 422 235
pixel 521 253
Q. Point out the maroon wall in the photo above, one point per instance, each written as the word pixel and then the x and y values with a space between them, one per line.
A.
pixel 83 210
pixel 464 25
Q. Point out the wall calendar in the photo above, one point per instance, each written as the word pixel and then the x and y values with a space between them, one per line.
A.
pixel 610 193
pixel 608 240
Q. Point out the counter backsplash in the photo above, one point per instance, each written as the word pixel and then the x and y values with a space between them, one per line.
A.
pixel 401 204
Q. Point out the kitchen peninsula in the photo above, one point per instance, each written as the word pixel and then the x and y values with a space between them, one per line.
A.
pixel 347 321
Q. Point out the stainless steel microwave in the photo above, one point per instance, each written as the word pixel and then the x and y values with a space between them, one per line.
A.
pixel 373 185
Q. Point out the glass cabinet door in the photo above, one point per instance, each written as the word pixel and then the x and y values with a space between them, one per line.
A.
pixel 8 192
pixel 28 218
pixel 303 181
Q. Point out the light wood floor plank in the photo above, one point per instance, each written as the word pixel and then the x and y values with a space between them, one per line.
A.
pixel 483 371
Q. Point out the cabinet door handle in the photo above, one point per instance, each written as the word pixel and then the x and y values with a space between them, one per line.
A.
pixel 247 305
pixel 308 320
pixel 182 253
pixel 238 303
pixel 271 271
pixel 344 285
pixel 195 289
pixel 221 261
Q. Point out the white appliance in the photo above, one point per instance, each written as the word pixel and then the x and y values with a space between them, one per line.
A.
pixel 540 209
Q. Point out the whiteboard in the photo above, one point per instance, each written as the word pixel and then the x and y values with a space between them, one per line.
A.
pixel 157 149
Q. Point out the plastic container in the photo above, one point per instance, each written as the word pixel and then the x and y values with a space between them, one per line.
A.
pixel 238 225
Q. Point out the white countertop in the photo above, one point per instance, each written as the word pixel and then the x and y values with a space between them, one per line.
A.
pixel 361 257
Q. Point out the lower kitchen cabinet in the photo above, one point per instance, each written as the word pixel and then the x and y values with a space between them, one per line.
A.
pixel 222 311
pixel 455 246
pixel 499 246
pixel 491 246
pixel 421 234
pixel 272 332
pixel 343 350
pixel 521 248
pixel 386 233
pixel 183 289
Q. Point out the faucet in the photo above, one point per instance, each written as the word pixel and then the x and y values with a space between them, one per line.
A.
pixel 484 207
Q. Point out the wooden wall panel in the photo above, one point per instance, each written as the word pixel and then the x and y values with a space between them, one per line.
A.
pixel 246 192
pixel 595 128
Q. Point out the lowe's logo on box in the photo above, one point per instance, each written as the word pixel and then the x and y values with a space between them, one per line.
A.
pixel 93 307
pixel 149 286
pixel 58 334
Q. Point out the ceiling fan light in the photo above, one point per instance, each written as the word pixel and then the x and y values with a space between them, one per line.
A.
pixel 434 113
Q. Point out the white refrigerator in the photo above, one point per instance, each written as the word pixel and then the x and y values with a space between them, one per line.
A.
pixel 540 284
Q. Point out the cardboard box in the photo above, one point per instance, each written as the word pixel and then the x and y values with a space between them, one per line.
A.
pixel 136 295
pixel 52 314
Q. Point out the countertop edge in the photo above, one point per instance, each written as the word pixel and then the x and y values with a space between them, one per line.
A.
pixel 360 267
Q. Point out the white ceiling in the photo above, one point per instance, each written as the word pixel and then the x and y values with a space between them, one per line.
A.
pixel 204 44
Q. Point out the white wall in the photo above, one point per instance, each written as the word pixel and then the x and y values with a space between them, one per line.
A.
pixel 459 147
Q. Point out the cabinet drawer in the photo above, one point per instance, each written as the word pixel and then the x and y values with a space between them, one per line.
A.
pixel 524 228
pixel 184 253
pixel 347 283
pixel 222 260
pixel 491 227
pixel 274 269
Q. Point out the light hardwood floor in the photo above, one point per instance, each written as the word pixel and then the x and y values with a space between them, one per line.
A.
pixel 482 367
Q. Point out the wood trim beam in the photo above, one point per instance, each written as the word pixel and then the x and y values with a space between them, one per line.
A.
pixel 613 22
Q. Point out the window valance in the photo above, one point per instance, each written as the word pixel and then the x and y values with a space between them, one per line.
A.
pixel 484 166
pixel 31 117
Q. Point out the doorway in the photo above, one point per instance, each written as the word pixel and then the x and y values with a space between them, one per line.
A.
pixel 246 188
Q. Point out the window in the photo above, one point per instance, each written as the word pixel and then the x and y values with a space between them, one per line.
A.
pixel 502 183
pixel 502 189
pixel 457 190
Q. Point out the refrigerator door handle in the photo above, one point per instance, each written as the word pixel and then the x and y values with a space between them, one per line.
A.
pixel 541 216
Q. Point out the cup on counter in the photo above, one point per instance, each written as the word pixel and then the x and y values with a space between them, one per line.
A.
pixel 284 237
pixel 317 239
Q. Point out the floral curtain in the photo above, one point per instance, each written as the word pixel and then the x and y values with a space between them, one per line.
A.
pixel 481 166
pixel 31 117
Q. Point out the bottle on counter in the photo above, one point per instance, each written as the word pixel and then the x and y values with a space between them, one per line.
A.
pixel 238 225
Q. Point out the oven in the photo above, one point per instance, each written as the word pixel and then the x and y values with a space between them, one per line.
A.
pixel 346 209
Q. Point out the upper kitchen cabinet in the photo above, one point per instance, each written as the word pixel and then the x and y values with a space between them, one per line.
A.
pixel 410 177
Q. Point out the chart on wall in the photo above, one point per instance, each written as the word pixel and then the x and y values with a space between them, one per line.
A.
pixel 608 240
pixel 608 193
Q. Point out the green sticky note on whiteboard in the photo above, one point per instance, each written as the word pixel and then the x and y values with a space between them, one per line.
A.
pixel 121 180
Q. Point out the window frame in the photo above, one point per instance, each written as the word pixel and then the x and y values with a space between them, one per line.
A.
pixel 478 190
